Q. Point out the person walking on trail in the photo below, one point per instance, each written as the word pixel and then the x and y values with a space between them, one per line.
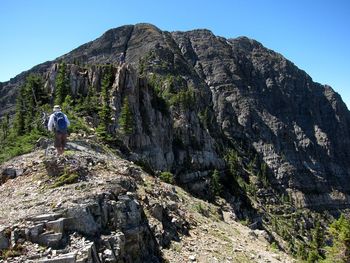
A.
pixel 58 123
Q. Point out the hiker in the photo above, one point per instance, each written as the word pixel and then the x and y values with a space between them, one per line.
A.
pixel 122 58
pixel 59 123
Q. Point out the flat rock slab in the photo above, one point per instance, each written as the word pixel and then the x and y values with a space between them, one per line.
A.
pixel 68 258
pixel 49 239
pixel 56 225
pixel 45 217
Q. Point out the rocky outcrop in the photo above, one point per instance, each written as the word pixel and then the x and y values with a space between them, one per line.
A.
pixel 96 218
pixel 242 92
pixel 115 212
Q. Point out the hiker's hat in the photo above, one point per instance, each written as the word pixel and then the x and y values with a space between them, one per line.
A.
pixel 56 108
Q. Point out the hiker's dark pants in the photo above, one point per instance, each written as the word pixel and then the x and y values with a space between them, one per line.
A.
pixel 60 139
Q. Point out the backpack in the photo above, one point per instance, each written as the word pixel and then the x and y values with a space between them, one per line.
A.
pixel 60 122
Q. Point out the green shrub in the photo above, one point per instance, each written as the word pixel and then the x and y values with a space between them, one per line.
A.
pixel 18 145
pixel 167 177
pixel 314 256
pixel 185 99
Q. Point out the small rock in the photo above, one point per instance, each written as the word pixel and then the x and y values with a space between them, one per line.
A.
pixel 157 211
pixel 192 258
pixel 263 235
pixel 172 205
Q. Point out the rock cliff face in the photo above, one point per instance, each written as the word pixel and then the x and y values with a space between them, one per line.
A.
pixel 240 92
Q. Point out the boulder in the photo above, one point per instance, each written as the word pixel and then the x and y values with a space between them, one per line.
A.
pixel 4 239
pixel 9 173
pixel 33 232
pixel 50 239
pixel 81 220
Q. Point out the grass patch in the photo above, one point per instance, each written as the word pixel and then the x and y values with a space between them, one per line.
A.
pixel 81 187
pixel 245 222
pixel 66 178
pixel 69 153
pixel 242 258
pixel 176 246
pixel 15 251
pixel 274 247
pixel 201 209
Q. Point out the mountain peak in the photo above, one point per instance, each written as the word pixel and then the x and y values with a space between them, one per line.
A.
pixel 246 43
pixel 226 120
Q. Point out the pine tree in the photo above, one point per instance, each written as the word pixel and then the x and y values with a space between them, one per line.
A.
pixel 233 163
pixel 5 126
pixel 62 84
pixel 67 104
pixel 316 244
pixel 126 120
pixel 35 96
pixel 90 103
pixel 105 110
pixel 19 124
pixel 31 97
pixel 215 184
pixel 340 234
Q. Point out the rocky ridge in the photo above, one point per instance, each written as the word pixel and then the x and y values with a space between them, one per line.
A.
pixel 113 212
pixel 98 211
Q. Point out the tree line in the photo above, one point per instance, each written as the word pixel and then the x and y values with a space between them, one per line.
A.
pixel 34 104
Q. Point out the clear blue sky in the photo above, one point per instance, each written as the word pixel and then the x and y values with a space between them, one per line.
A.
pixel 314 34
